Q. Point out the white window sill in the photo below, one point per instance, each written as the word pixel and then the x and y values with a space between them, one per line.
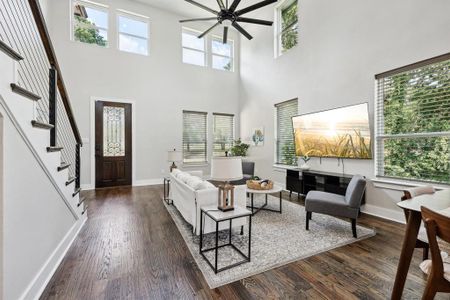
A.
pixel 283 167
pixel 400 185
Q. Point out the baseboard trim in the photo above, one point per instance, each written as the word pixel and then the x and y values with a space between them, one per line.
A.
pixel 145 182
pixel 40 281
pixel 384 213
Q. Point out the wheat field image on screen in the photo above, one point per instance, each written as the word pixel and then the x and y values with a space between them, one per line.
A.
pixel 342 132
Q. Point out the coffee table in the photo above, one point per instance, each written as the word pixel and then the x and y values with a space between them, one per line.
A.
pixel 274 190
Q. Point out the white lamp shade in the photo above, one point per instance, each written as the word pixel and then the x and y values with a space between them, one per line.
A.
pixel 226 168
pixel 174 155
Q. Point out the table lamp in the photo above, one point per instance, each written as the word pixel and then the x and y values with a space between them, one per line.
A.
pixel 226 169
pixel 174 156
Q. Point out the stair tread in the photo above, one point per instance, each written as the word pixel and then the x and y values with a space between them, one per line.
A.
pixel 63 166
pixel 42 125
pixel 77 191
pixel 10 51
pixel 26 93
pixel 70 180
pixel 54 148
pixel 81 201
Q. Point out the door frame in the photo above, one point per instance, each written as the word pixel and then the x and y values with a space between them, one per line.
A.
pixel 92 136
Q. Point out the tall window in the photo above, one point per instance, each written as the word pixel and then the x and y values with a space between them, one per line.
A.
pixel 194 137
pixel 222 54
pixel 194 49
pixel 133 33
pixel 285 148
pixel 223 133
pixel 90 23
pixel 287 26
pixel 413 121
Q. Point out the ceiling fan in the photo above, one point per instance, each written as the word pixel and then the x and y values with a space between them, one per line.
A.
pixel 228 15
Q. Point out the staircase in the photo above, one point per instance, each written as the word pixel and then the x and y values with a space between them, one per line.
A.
pixel 37 99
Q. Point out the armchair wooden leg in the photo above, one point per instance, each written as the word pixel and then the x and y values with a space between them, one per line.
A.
pixel 430 290
pixel 354 228
pixel 308 217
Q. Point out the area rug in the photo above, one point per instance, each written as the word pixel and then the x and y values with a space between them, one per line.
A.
pixel 277 239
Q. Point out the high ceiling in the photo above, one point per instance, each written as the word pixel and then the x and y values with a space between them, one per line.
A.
pixel 183 8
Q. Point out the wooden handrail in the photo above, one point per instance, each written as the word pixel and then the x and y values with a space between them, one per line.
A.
pixel 50 51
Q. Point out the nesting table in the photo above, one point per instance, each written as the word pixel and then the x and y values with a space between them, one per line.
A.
pixel 274 190
pixel 219 216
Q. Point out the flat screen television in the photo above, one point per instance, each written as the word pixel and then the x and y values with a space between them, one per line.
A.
pixel 342 132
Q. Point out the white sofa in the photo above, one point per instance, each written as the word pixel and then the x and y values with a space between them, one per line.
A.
pixel 190 193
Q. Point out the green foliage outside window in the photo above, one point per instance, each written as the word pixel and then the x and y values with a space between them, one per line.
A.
pixel 86 32
pixel 288 154
pixel 417 102
pixel 289 26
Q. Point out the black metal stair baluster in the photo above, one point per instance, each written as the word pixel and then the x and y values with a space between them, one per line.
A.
pixel 52 105
pixel 77 166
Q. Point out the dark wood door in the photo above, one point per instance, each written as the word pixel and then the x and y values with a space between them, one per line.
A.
pixel 113 155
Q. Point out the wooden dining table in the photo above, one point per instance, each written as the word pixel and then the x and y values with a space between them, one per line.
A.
pixel 438 201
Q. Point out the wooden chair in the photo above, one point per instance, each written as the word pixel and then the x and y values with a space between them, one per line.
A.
pixel 422 240
pixel 437 225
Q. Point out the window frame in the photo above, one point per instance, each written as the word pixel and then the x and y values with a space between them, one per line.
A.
pixel 135 17
pixel 278 48
pixel 233 130
pixel 196 163
pixel 194 32
pixel 231 57
pixel 379 118
pixel 276 137
pixel 92 5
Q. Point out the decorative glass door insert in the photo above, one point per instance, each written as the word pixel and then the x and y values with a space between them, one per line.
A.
pixel 113 131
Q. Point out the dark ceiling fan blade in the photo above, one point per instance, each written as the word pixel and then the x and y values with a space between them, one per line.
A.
pixel 234 5
pixel 208 30
pixel 225 34
pixel 221 5
pixel 198 19
pixel 254 21
pixel 242 30
pixel 202 6
pixel 254 7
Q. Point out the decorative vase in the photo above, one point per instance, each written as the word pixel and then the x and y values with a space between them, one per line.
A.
pixel 305 167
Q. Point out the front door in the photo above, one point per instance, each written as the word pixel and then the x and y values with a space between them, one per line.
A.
pixel 113 155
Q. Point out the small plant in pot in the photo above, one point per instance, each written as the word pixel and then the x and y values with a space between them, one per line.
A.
pixel 239 148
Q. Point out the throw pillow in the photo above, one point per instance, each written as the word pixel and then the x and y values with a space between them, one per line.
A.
pixel 206 185
pixel 194 182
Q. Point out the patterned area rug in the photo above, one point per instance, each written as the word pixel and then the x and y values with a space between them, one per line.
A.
pixel 277 239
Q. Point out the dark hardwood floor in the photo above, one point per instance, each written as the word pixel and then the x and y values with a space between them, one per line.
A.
pixel 131 249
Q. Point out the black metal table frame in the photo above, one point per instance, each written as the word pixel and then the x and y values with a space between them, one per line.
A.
pixel 217 246
pixel 167 191
pixel 263 207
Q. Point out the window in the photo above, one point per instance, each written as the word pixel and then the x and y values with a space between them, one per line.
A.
pixel 285 148
pixel 222 54
pixel 90 23
pixel 413 121
pixel 193 48
pixel 133 33
pixel 194 137
pixel 287 26
pixel 223 133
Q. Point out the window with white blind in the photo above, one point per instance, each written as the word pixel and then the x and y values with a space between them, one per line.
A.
pixel 223 126
pixel 413 121
pixel 194 49
pixel 195 146
pixel 285 148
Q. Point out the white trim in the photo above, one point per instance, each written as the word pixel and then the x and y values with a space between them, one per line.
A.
pixel 399 185
pixel 40 281
pixel 92 136
pixel 145 182
pixel 132 13
pixel 384 213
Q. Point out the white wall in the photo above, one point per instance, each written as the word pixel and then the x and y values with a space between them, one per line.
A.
pixel 342 45
pixel 160 85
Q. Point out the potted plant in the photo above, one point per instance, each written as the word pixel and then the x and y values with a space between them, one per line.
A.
pixel 239 148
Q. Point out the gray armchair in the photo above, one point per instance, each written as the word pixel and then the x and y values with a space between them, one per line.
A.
pixel 337 205
pixel 248 170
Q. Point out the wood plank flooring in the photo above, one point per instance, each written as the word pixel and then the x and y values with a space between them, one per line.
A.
pixel 131 249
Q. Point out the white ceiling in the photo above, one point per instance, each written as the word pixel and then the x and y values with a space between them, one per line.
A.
pixel 183 8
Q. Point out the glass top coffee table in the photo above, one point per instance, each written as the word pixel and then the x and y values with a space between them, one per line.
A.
pixel 274 190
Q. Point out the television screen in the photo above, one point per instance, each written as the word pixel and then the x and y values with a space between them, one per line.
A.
pixel 342 132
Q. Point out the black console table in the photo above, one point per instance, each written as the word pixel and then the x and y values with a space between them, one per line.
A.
pixel 302 182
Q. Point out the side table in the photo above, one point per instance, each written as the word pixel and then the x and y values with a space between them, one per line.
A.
pixel 219 216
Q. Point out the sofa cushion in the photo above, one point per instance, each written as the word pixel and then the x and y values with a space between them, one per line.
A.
pixel 184 177
pixel 329 204
pixel 176 172
pixel 194 182
pixel 206 185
